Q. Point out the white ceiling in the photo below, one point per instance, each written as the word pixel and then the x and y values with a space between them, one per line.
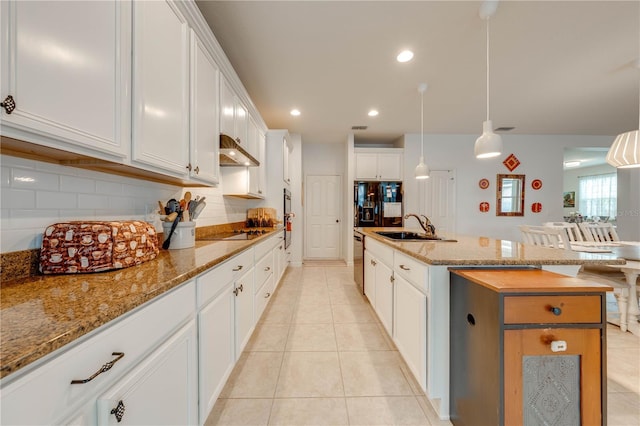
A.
pixel 557 67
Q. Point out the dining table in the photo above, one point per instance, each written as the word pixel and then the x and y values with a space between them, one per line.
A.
pixel 628 298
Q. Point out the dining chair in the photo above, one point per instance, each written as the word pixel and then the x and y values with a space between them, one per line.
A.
pixel 573 231
pixel 545 236
pixel 599 232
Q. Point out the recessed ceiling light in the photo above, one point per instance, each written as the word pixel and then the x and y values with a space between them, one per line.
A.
pixel 405 56
pixel 571 163
pixel 295 112
pixel 373 113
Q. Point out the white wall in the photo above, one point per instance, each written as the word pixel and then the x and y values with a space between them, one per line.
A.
pixel 541 157
pixel 628 220
pixel 36 194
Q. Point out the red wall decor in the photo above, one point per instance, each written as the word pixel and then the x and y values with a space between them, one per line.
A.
pixel 483 184
pixel 511 162
pixel 484 207
pixel 536 207
pixel 536 184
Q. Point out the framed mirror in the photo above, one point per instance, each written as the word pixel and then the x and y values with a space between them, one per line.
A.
pixel 510 195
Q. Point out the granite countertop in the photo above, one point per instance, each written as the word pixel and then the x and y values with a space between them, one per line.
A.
pixel 487 251
pixel 43 313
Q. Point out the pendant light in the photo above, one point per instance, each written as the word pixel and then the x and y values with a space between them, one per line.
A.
pixel 422 171
pixel 625 150
pixel 489 144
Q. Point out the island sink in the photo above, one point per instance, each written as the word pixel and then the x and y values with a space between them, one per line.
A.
pixel 411 236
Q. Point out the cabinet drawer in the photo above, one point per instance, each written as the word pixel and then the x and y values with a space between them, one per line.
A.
pixel 213 281
pixel 415 272
pixel 263 296
pixel 540 309
pixel 380 251
pixel 266 246
pixel 135 336
pixel 264 268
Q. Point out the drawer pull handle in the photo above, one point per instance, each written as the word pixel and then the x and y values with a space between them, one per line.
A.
pixel 268 295
pixel 471 319
pixel 118 411
pixel 104 368
pixel 267 269
pixel 238 268
pixel 555 310
pixel 404 268
pixel 558 346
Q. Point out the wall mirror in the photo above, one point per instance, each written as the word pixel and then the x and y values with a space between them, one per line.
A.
pixel 510 195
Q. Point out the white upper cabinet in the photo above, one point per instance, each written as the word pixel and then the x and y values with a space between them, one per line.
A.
pixel 227 108
pixel 67 67
pixel 234 116
pixel 257 147
pixel 205 133
pixel 160 87
pixel 379 164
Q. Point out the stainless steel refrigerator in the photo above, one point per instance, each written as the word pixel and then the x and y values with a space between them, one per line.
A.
pixel 377 204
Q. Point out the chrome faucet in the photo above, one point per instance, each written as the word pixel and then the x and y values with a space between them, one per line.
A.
pixel 427 226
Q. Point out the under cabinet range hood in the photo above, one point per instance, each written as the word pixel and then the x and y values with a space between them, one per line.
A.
pixel 232 154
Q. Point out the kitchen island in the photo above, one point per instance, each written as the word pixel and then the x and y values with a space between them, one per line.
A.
pixel 416 306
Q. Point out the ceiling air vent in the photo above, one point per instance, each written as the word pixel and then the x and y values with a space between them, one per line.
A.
pixel 358 127
pixel 504 129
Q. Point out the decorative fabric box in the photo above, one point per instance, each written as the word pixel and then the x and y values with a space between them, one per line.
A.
pixel 77 247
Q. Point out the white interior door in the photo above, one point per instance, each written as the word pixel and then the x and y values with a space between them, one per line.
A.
pixel 439 200
pixel 322 217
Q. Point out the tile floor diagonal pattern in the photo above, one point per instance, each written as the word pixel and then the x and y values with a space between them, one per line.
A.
pixel 319 356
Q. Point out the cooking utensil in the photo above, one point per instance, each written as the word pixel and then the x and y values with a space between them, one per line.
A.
pixel 167 242
pixel 172 206
pixel 185 211
pixel 198 209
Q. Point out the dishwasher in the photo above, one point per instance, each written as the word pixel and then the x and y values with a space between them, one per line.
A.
pixel 358 259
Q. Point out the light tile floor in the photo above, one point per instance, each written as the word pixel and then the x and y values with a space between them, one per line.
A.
pixel 319 356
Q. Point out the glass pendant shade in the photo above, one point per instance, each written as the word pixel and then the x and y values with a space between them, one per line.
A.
pixel 489 144
pixel 625 151
pixel 422 171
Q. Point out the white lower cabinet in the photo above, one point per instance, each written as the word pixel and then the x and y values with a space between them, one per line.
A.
pixel 384 295
pixel 161 390
pixel 244 310
pixel 378 276
pixel 125 345
pixel 410 327
pixel 168 361
pixel 216 347
pixel 370 278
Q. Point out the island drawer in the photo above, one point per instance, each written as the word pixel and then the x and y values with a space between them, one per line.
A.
pixel 560 309
pixel 412 270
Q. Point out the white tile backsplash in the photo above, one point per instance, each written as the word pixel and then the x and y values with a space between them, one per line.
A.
pixel 48 193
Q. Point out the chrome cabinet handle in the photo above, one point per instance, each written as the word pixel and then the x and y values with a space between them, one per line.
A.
pixel 266 296
pixel 268 268
pixel 241 288
pixel 392 279
pixel 189 166
pixel 197 170
pixel 238 268
pixel 373 262
pixel 118 411
pixel 103 369
pixel 404 268
pixel 235 291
